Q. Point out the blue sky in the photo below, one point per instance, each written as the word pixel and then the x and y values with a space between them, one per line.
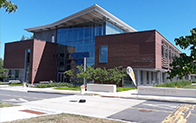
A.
pixel 172 18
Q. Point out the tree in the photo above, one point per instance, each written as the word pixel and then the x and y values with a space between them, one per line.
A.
pixel 26 38
pixel 100 74
pixel 8 5
pixel 3 72
pixel 185 65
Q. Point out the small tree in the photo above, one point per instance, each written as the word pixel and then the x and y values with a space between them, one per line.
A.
pixel 116 74
pixel 3 72
pixel 185 65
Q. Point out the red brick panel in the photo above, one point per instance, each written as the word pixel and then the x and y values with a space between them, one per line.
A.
pixel 44 61
pixel 14 55
pixel 131 49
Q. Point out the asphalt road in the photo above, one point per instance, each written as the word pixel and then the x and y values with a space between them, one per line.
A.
pixel 145 112
pixel 158 112
pixel 21 97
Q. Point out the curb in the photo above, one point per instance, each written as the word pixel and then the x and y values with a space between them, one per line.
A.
pixel 57 92
pixel 140 98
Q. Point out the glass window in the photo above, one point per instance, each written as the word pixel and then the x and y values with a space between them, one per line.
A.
pixel 103 54
pixel 141 77
pixel 87 33
pixel 81 34
pixel 69 34
pixel 152 76
pixel 162 49
pixel 53 40
pixel 147 74
pixel 16 74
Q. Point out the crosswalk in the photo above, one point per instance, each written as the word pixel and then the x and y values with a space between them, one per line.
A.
pixel 15 100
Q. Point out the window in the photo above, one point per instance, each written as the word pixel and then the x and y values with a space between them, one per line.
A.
pixel 162 49
pixel 53 40
pixel 152 76
pixel 147 77
pixel 16 74
pixel 103 54
pixel 141 77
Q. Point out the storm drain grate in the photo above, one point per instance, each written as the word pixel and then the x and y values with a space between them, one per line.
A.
pixel 33 112
pixel 144 110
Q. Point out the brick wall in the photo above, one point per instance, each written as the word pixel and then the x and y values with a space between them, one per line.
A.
pixel 131 49
pixel 14 55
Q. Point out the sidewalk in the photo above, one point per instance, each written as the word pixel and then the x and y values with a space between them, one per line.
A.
pixel 96 106
pixel 131 94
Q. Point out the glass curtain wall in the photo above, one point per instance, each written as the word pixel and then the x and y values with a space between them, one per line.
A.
pixel 82 37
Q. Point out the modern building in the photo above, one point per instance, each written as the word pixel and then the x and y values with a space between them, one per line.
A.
pixel 96 34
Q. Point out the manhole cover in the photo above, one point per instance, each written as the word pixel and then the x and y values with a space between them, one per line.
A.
pixel 145 110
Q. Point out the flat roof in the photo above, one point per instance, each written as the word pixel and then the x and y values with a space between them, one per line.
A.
pixel 89 14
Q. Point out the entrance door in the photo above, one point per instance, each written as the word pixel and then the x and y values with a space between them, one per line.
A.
pixel 61 77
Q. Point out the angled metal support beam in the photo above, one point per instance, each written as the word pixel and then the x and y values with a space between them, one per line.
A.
pixel 87 17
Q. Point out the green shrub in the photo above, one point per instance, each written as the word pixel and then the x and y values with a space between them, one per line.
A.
pixel 52 85
pixel 193 81
pixel 179 84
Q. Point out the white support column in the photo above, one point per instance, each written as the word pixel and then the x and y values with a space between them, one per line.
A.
pixel 158 77
pixel 138 78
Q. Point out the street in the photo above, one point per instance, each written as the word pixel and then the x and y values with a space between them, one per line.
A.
pixel 21 97
pixel 131 110
pixel 157 112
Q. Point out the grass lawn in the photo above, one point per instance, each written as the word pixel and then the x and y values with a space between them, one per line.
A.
pixel 2 104
pixel 190 87
pixel 64 118
pixel 77 88
pixel 120 89
pixel 4 83
pixel 15 84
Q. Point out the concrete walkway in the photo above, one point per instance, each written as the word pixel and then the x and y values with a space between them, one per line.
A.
pixel 96 105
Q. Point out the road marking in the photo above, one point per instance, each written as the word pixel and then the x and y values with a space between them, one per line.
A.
pixel 160 105
pixel 180 114
pixel 23 100
pixel 22 96
pixel 152 110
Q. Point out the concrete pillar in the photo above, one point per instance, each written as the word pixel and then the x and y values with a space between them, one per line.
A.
pixel 144 78
pixel 138 80
pixel 158 80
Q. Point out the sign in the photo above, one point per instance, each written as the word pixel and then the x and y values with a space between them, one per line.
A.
pixel 131 74
pixel 145 60
pixel 82 89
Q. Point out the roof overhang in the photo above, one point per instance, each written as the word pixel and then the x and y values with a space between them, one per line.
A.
pixel 92 13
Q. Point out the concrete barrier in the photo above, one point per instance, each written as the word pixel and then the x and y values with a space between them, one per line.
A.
pixel 101 87
pixel 160 91
pixel 14 81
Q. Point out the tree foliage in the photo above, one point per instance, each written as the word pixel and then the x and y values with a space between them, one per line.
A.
pixel 185 65
pixel 26 38
pixel 100 74
pixel 8 5
pixel 3 72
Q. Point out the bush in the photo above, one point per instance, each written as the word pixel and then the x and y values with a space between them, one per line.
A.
pixel 193 81
pixel 52 85
pixel 179 84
